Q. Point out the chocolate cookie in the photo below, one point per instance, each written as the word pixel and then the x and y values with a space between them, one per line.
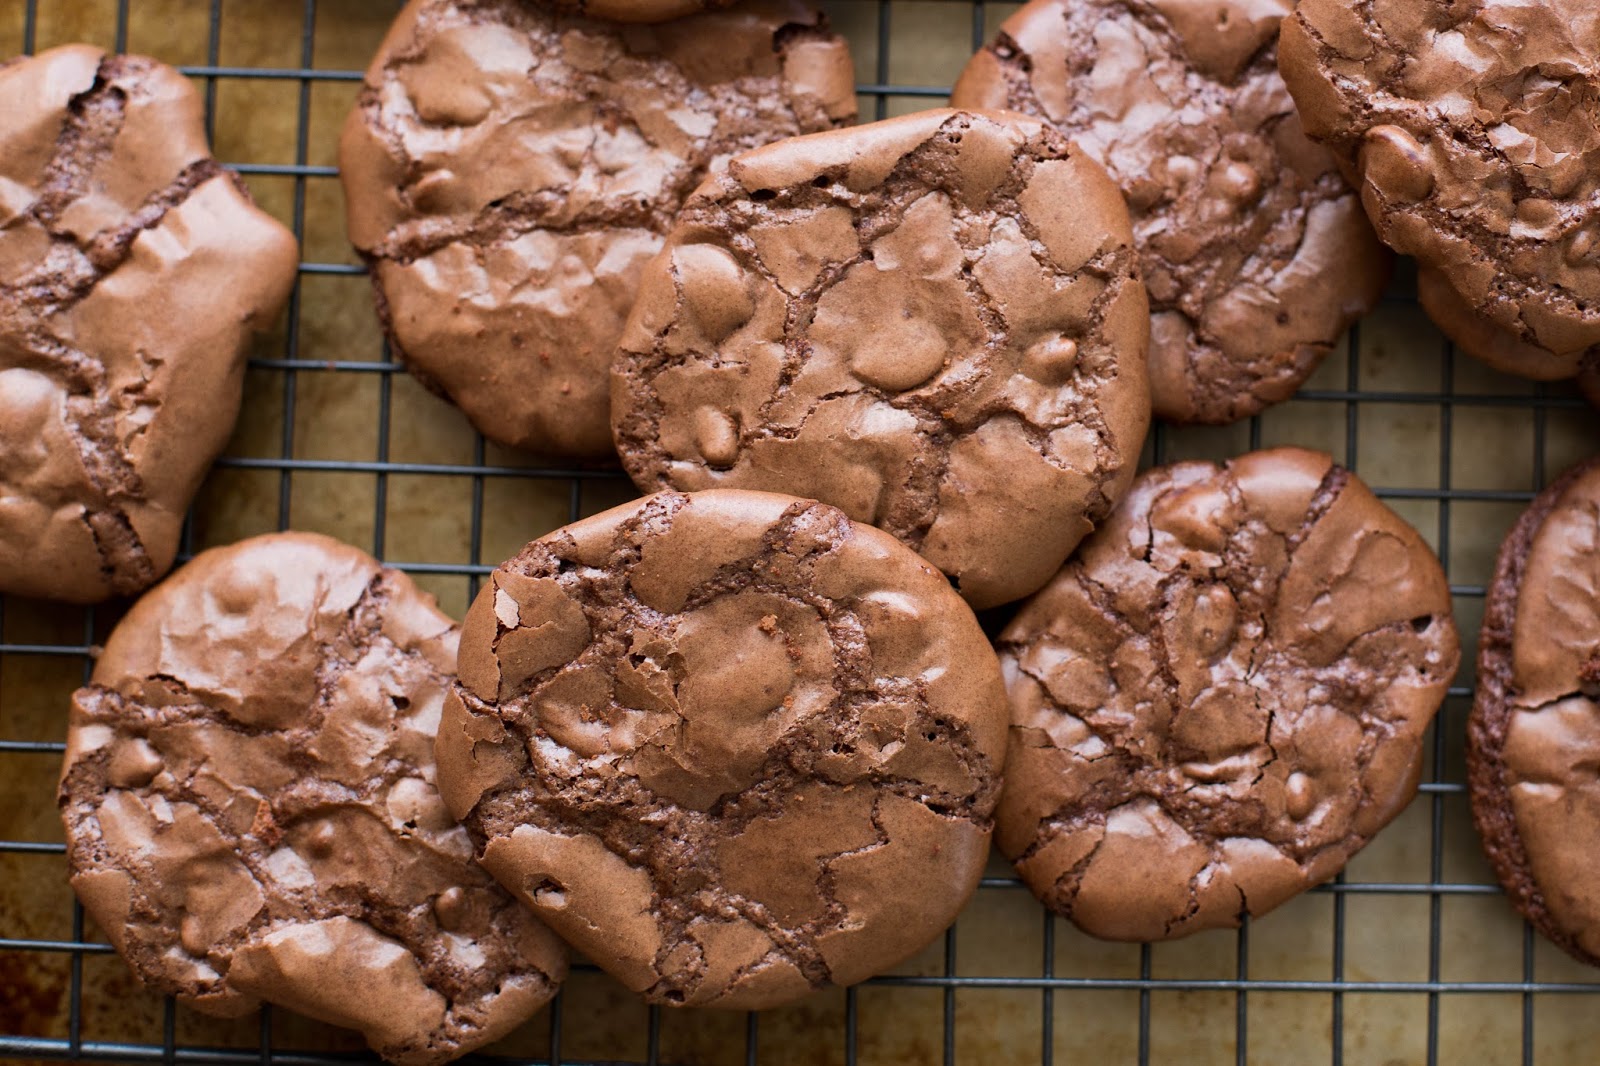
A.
pixel 1222 697
pixel 637 10
pixel 1473 130
pixel 731 745
pixel 934 323
pixel 509 171
pixel 133 271
pixel 1255 250
pixel 251 812
pixel 1532 740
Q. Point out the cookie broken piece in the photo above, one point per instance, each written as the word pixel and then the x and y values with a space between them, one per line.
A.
pixel 1256 252
pixel 509 170
pixel 1222 697
pixel 133 272
pixel 1532 738
pixel 934 323
pixel 251 811
pixel 730 745
pixel 1472 133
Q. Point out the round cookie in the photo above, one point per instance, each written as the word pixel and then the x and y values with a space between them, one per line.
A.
pixel 1222 697
pixel 731 745
pixel 251 812
pixel 637 10
pixel 934 323
pixel 1256 252
pixel 133 272
pixel 1472 130
pixel 508 172
pixel 1531 739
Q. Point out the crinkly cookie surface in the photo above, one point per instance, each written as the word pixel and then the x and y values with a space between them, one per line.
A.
pixel 934 323
pixel 509 170
pixel 1222 697
pixel 1256 252
pixel 731 745
pixel 251 810
pixel 133 271
pixel 1473 127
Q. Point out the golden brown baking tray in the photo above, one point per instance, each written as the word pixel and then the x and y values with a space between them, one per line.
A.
pixel 1412 956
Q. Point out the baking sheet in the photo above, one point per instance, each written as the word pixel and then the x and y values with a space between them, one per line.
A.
pixel 1380 969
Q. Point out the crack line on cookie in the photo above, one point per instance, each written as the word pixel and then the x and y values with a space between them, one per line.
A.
pixel 359 636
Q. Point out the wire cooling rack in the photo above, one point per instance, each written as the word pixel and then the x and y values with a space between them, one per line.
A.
pixel 1409 956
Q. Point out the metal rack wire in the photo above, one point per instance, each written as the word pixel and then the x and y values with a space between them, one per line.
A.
pixel 1446 402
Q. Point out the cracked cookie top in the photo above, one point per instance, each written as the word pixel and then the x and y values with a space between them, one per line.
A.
pixel 1255 251
pixel 251 811
pixel 1474 129
pixel 934 323
pixel 731 745
pixel 1532 740
pixel 133 271
pixel 1222 697
pixel 508 171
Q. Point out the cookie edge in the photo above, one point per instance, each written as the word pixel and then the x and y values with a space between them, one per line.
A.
pixel 1490 718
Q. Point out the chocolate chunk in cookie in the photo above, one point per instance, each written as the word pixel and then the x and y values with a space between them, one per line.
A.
pixel 1222 697
pixel 1256 252
pixel 133 272
pixel 251 811
pixel 934 323
pixel 508 172
pixel 731 745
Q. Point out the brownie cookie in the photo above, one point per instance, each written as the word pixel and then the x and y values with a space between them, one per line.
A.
pixel 731 745
pixel 1256 252
pixel 1222 697
pixel 508 172
pixel 1474 132
pixel 636 10
pixel 934 323
pixel 133 271
pixel 251 811
pixel 1532 740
